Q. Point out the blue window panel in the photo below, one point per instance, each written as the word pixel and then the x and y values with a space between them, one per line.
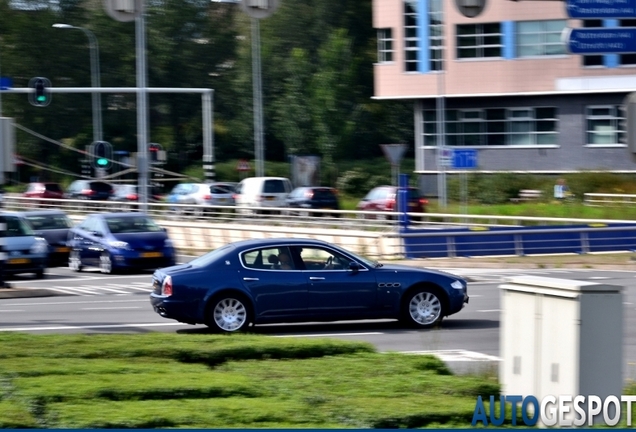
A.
pixel 611 60
pixel 508 28
pixel 423 22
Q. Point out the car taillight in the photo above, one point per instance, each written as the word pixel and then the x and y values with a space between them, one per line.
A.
pixel 234 197
pixel 309 194
pixel 423 201
pixel 88 192
pixel 166 287
pixel 132 197
pixel 390 204
pixel 207 197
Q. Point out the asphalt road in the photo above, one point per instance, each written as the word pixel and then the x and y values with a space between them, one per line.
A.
pixel 90 302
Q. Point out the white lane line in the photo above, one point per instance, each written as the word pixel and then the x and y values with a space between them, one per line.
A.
pixel 115 308
pixel 118 291
pixel 11 310
pixel 76 302
pixel 88 289
pixel 89 327
pixel 489 310
pixel 146 289
pixel 87 279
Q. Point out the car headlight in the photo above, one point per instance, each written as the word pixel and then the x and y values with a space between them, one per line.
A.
pixel 457 285
pixel 119 245
pixel 39 247
pixel 168 243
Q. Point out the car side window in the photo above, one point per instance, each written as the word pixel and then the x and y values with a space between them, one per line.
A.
pixel 269 259
pixel 316 258
pixel 16 227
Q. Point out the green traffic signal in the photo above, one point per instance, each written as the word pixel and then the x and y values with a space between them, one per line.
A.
pixel 102 162
pixel 41 98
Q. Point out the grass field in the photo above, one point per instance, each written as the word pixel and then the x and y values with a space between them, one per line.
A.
pixel 207 381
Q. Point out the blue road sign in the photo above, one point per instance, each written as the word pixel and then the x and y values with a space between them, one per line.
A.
pixel 6 83
pixel 601 9
pixel 464 158
pixel 600 41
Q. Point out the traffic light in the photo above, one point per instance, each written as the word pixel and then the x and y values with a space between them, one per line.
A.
pixel 41 96
pixel 102 154
pixel 153 152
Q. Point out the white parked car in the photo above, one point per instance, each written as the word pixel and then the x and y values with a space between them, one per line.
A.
pixel 254 194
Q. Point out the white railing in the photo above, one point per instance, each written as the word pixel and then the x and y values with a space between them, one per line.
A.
pixel 604 199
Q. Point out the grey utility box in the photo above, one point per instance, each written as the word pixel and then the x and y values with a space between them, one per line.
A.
pixel 560 337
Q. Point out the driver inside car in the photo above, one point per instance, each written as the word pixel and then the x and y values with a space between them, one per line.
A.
pixel 285 261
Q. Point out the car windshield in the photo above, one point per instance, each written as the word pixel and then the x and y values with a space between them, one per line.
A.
pixel 366 261
pixel 131 225
pixel 16 227
pixel 49 222
pixel 211 256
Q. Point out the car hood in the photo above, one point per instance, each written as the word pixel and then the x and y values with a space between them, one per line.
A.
pixel 147 240
pixel 402 268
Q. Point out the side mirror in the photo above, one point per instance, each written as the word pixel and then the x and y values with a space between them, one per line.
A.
pixel 354 266
pixel 97 234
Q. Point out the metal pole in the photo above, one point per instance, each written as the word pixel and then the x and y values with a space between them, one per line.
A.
pixel 259 151
pixel 95 79
pixel 142 112
pixel 441 141
pixel 208 136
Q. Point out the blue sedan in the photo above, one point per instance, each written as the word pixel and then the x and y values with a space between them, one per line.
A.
pixel 263 281
pixel 119 241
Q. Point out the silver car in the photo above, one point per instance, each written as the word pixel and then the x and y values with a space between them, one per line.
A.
pixel 26 252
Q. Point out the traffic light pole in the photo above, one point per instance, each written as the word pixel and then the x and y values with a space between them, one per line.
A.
pixel 206 105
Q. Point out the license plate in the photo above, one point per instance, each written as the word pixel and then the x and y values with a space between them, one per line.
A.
pixel 62 249
pixel 269 198
pixel 151 254
pixel 221 200
pixel 19 261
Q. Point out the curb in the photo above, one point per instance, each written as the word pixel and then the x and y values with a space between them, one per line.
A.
pixel 8 293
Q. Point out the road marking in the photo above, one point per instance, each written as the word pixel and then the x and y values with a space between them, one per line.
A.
pixel 456 355
pixel 84 278
pixel 113 289
pixel 11 310
pixel 489 310
pixel 82 289
pixel 116 308
pixel 76 302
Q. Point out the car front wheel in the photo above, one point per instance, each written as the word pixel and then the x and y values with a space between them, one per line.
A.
pixel 228 313
pixel 423 308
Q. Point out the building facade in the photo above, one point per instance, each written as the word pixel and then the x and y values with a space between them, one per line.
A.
pixel 496 76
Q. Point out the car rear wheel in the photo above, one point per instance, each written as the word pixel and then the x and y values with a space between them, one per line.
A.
pixel 423 308
pixel 74 261
pixel 105 263
pixel 228 313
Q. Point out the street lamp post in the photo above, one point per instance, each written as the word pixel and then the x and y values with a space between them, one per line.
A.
pixel 95 80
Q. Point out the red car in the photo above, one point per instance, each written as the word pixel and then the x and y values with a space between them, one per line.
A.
pixel 44 190
pixel 384 198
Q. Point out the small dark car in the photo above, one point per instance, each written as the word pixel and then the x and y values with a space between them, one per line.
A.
pixel 324 198
pixel 384 199
pixel 26 252
pixel 300 280
pixel 44 190
pixel 53 226
pixel 129 193
pixel 89 190
pixel 119 241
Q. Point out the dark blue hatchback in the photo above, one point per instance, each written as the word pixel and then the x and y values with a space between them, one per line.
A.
pixel 300 280
pixel 118 241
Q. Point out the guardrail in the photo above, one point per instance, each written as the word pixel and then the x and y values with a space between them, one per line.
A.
pixel 603 199
pixel 430 234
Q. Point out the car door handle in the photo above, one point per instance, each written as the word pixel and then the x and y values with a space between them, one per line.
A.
pixel 250 279
pixel 316 278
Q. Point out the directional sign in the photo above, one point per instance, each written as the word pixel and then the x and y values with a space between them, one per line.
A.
pixel 465 158
pixel 599 9
pixel 600 41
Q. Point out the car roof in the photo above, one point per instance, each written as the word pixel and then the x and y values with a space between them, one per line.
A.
pixel 246 244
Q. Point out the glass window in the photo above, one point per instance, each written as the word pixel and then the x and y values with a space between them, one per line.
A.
pixel 540 38
pixel 592 60
pixel 436 34
pixel 385 45
pixel 478 40
pixel 411 41
pixel 279 258
pixel 315 258
pixel 495 127
pixel 604 125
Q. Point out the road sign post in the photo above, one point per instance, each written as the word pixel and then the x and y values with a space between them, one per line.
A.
pixel 464 159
